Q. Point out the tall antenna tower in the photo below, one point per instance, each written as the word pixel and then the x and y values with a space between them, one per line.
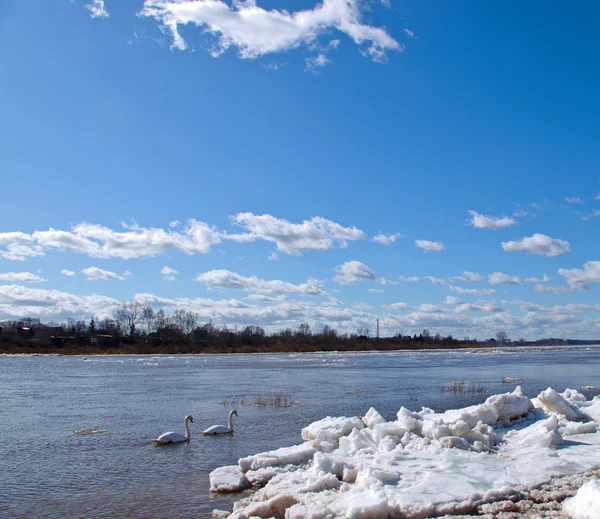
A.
pixel 378 328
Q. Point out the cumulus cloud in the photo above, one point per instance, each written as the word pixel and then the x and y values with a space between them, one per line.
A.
pixel 19 246
pixel 352 272
pixel 499 278
pixel 582 278
pixel 255 32
pixel 429 246
pixel 97 9
pixel 387 239
pixel 482 221
pixel 295 238
pixel 174 223
pixel 573 200
pixel 538 244
pixel 472 291
pixel 168 273
pixel 451 300
pixel 383 281
pixel 95 273
pixel 228 279
pixel 67 273
pixel 375 291
pixel 273 256
pixel 21 277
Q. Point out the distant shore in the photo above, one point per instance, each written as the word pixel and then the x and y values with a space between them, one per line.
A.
pixel 174 349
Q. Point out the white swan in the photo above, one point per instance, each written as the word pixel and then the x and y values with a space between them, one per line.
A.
pixel 175 437
pixel 221 429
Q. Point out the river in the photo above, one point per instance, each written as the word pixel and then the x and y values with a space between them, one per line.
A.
pixel 47 471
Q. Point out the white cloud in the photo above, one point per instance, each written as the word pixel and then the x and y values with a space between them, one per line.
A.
pixel 409 279
pixel 469 276
pixel 429 246
pixel 387 239
pixel 499 278
pixel 593 214
pixel 538 244
pixel 22 277
pixel 168 273
pixel 97 9
pixel 351 272
pixel 405 307
pixel 383 281
pixel 472 291
pixel 581 278
pixel 436 281
pixel 255 32
pixel 95 273
pixel 127 274
pixel 317 62
pixel 360 305
pixel 451 300
pixel 573 200
pixel 66 272
pixel 174 223
pixel 295 238
pixel 482 221
pixel 228 279
pixel 375 291
pixel 554 289
pixel 19 246
pixel 273 256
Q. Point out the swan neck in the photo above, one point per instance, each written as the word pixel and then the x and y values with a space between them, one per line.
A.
pixel 230 424
pixel 186 428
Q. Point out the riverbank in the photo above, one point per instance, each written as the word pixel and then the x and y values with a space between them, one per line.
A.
pixel 174 349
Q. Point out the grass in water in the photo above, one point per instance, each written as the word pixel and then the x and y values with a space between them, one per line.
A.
pixel 461 387
pixel 262 401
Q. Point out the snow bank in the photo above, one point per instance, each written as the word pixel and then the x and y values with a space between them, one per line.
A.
pixel 586 503
pixel 423 463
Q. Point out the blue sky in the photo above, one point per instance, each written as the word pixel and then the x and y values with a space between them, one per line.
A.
pixel 470 129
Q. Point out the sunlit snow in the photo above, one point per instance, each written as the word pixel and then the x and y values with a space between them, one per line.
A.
pixel 424 463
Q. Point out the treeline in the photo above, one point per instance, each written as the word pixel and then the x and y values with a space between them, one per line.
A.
pixel 135 328
pixel 138 329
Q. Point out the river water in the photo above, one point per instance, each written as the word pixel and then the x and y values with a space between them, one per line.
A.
pixel 46 471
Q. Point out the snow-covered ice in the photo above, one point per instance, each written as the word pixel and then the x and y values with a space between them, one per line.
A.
pixel 228 479
pixel 586 503
pixel 423 463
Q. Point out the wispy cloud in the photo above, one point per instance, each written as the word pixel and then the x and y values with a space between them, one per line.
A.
pixel 97 9
pixel 595 213
pixel 499 278
pixel 573 200
pixel 67 273
pixel 472 291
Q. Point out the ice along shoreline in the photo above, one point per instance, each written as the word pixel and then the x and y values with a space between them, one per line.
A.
pixel 426 464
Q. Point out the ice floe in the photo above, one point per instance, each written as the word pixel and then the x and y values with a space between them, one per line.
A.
pixel 586 503
pixel 423 463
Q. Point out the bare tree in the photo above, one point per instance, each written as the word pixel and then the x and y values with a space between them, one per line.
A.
pixel 148 316
pixel 363 331
pixel 304 329
pixel 129 316
pixel 502 337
